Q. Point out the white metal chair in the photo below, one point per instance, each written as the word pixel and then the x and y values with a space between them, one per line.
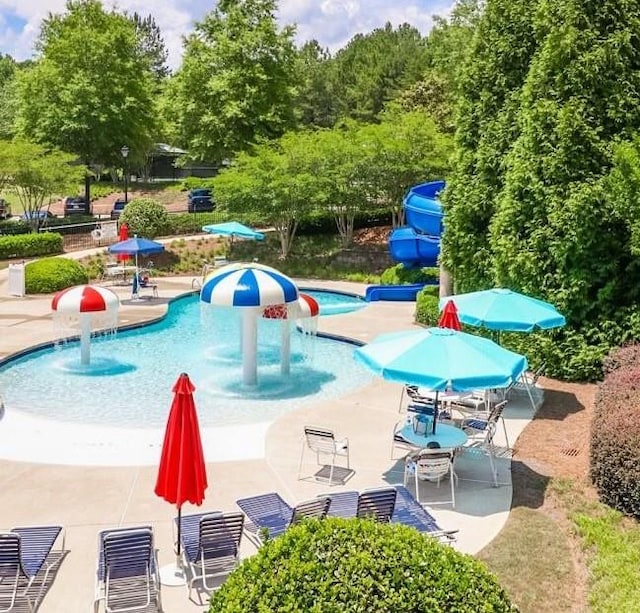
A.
pixel 431 465
pixel 475 426
pixel 323 442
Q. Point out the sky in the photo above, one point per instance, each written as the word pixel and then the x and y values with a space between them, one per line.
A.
pixel 332 22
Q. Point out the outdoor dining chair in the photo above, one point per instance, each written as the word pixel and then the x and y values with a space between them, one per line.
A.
pixel 269 515
pixel 324 443
pixel 24 553
pixel 475 426
pixel 431 465
pixel 210 545
pixel 127 576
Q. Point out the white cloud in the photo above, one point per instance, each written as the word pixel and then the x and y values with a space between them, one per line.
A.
pixel 332 22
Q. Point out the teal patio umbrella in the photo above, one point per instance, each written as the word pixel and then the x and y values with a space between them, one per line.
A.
pixel 233 229
pixel 441 359
pixel 505 311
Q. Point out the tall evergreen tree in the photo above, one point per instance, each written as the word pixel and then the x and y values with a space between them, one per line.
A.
pixel 151 45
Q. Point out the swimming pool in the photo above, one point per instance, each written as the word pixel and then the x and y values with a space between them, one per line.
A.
pixel 203 342
pixel 335 303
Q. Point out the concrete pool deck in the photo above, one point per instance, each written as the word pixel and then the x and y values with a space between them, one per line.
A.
pixel 86 498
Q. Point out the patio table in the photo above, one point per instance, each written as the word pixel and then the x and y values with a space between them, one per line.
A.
pixel 448 437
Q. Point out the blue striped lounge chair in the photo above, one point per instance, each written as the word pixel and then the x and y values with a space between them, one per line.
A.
pixel 127 576
pixel 25 555
pixel 210 544
pixel 269 514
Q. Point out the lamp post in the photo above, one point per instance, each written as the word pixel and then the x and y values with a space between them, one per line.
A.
pixel 125 152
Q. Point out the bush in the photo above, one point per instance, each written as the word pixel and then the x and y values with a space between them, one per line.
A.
pixel 399 275
pixel 341 565
pixel 615 438
pixel 189 183
pixel 621 357
pixel 10 228
pixel 190 223
pixel 53 274
pixel 427 309
pixel 30 245
pixel 323 222
pixel 146 218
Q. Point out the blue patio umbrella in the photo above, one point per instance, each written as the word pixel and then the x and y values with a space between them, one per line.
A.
pixel 505 310
pixel 134 246
pixel 233 229
pixel 441 359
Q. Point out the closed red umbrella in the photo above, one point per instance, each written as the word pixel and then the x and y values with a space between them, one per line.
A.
pixel 123 235
pixel 182 476
pixel 449 317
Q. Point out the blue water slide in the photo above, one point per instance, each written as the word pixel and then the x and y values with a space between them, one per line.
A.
pixel 413 249
pixel 398 293
pixel 423 211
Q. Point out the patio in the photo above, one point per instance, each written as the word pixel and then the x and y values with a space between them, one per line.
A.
pixel 86 499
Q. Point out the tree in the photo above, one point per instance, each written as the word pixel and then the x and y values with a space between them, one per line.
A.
pixel 151 45
pixel 237 81
pixel 348 565
pixel 8 98
pixel 36 175
pixel 90 92
pixel 276 182
pixel 489 99
pixel 556 231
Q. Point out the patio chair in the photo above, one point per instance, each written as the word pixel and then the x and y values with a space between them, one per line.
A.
pixel 474 427
pixel 398 441
pixel 143 282
pixel 377 504
pixel 323 442
pixel 127 576
pixel 270 515
pixel 210 545
pixel 482 440
pixel 25 555
pixel 431 465
pixel 527 382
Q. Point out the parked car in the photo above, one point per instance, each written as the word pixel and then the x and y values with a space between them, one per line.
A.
pixel 5 209
pixel 42 215
pixel 77 205
pixel 200 201
pixel 118 207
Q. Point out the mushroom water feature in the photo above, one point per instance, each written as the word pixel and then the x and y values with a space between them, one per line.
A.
pixel 250 287
pixel 305 309
pixel 83 308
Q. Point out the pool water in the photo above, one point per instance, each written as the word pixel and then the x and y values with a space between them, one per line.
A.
pixel 335 303
pixel 199 340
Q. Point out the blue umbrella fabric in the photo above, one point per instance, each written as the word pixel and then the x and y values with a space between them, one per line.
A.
pixel 233 229
pixel 135 246
pixel 505 310
pixel 441 359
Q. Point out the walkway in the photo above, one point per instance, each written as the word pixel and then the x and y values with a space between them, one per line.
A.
pixel 86 499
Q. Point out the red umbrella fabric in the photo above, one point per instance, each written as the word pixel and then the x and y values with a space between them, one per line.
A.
pixel 449 317
pixel 182 475
pixel 123 235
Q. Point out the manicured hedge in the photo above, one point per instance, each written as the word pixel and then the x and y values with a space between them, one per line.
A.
pixel 350 565
pixel 30 245
pixel 191 223
pixel 53 274
pixel 10 228
pixel 400 275
pixel 427 309
pixel 615 434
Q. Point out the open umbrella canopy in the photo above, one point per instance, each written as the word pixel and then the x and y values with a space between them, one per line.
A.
pixel 503 309
pixel 441 359
pixel 136 246
pixel 233 228
pixel 182 476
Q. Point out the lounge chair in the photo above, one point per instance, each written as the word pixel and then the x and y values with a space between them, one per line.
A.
pixel 270 514
pixel 24 554
pixel 210 545
pixel 377 504
pixel 323 442
pixel 127 576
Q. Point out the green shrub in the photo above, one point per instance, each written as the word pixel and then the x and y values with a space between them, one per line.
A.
pixel 343 565
pixel 53 274
pixel 323 222
pixel 427 310
pixel 615 437
pixel 188 223
pixel 146 218
pixel 30 245
pixel 10 228
pixel 189 183
pixel 399 275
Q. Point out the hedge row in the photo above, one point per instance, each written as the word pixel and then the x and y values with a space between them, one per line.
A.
pixel 53 274
pixel 615 433
pixel 30 245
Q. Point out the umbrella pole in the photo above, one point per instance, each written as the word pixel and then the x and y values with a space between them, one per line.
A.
pixel 179 531
pixel 435 414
